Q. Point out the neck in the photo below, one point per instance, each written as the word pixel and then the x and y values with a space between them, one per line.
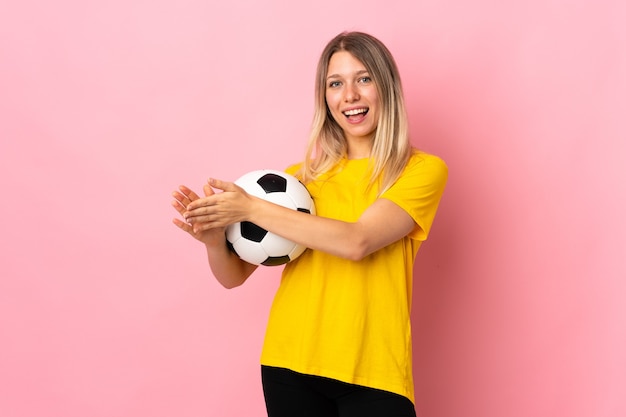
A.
pixel 359 149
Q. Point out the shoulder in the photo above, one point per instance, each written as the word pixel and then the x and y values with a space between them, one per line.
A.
pixel 426 163
pixel 420 157
pixel 293 168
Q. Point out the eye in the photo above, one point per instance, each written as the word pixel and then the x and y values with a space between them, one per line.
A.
pixel 334 84
pixel 365 79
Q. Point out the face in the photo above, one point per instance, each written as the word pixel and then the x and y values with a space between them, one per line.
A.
pixel 352 98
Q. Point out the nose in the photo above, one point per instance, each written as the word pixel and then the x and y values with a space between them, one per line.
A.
pixel 351 93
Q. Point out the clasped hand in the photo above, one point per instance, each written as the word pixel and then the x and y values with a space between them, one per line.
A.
pixel 206 217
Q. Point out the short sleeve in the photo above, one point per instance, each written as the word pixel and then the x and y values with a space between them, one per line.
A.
pixel 419 190
pixel 293 169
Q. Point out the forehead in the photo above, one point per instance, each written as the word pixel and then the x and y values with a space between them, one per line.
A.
pixel 343 63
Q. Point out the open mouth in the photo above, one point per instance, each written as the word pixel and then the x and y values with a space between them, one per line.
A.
pixel 355 114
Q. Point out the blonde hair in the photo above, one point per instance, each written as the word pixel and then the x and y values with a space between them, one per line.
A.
pixel 391 148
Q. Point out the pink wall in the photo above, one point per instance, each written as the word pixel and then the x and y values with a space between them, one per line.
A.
pixel 106 309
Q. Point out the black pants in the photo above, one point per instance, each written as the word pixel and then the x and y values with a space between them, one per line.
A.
pixel 291 394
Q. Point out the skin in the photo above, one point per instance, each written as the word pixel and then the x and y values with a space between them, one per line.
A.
pixel 205 218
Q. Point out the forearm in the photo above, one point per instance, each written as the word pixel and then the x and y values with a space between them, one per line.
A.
pixel 381 225
pixel 314 232
pixel 227 267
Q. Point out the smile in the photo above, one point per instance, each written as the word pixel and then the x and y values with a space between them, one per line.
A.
pixel 355 112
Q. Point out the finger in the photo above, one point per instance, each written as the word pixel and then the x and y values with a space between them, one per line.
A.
pixel 200 207
pixel 222 185
pixel 181 199
pixel 183 226
pixel 191 212
pixel 202 202
pixel 208 190
pixel 181 202
pixel 201 216
pixel 190 194
pixel 202 227
pixel 178 206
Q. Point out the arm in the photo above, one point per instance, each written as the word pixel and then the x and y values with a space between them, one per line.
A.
pixel 227 267
pixel 382 223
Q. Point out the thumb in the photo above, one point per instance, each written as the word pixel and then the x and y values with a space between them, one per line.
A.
pixel 222 185
pixel 208 191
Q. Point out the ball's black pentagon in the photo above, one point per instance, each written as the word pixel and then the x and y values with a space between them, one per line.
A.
pixel 272 183
pixel 252 232
pixel 276 260
pixel 304 210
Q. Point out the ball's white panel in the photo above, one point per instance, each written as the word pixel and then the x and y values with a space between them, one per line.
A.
pixel 249 183
pixel 296 251
pixel 250 251
pixel 299 194
pixel 275 245
pixel 233 232
pixel 282 199
pixel 250 177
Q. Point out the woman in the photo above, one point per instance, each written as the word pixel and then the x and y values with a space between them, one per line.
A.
pixel 338 341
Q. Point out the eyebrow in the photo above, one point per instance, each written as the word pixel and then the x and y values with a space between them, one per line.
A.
pixel 359 72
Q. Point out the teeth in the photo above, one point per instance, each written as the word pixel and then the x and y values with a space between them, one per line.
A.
pixel 354 112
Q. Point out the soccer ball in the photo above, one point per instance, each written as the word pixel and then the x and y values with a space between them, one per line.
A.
pixel 256 245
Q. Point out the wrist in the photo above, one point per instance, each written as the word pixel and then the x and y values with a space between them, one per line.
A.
pixel 254 210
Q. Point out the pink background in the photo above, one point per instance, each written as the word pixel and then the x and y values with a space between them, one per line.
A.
pixel 106 309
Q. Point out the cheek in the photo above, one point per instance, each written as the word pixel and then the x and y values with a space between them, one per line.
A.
pixel 375 106
pixel 331 100
pixel 335 116
pixel 331 105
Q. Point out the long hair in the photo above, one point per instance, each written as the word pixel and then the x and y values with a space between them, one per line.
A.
pixel 391 148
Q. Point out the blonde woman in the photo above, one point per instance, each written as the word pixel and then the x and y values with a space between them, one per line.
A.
pixel 338 341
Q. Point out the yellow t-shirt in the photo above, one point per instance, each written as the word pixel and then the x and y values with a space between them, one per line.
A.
pixel 350 320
